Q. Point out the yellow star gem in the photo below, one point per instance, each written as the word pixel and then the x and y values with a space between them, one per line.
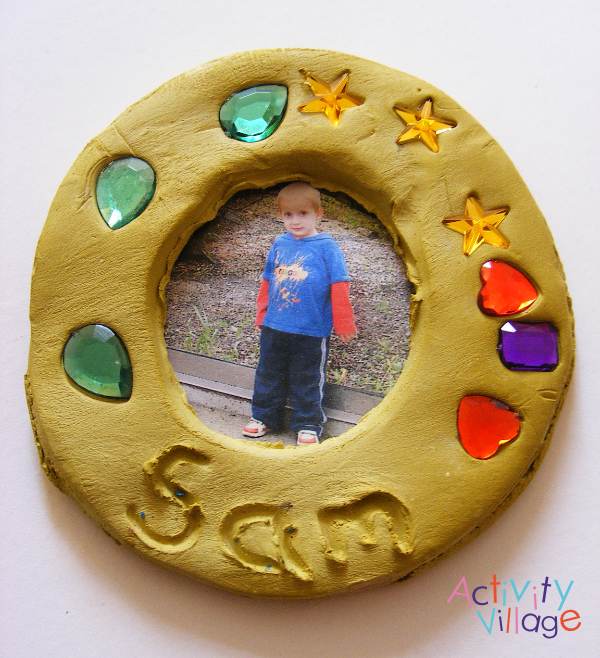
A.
pixel 331 99
pixel 478 226
pixel 422 125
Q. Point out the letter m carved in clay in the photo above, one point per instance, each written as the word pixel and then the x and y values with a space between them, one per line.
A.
pixel 363 515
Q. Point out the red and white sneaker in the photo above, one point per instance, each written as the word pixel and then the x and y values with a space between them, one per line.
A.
pixel 305 437
pixel 254 429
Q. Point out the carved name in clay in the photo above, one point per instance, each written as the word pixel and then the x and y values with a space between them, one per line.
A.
pixel 266 537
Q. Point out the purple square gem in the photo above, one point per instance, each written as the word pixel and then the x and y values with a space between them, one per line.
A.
pixel 528 346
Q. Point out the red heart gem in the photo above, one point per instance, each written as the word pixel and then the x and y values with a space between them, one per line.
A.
pixel 506 291
pixel 484 424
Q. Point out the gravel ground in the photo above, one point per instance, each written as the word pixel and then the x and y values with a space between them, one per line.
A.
pixel 212 292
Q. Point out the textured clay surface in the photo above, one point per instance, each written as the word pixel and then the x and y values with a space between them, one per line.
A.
pixel 374 504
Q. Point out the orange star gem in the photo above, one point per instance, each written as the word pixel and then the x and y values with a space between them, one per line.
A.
pixel 331 99
pixel 422 125
pixel 479 226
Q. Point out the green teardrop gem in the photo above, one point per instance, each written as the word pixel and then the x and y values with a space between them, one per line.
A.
pixel 96 359
pixel 255 113
pixel 123 190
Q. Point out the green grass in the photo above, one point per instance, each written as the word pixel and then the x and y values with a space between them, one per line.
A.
pixel 337 376
pixel 387 352
pixel 234 354
pixel 354 218
pixel 203 336
pixel 204 340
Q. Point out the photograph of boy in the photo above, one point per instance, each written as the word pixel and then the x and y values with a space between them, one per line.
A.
pixel 303 296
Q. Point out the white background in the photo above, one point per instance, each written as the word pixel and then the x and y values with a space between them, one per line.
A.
pixel 528 71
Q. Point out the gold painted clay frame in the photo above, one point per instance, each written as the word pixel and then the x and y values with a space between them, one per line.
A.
pixel 390 495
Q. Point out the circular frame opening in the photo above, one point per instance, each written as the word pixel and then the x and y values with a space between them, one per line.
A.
pixel 212 340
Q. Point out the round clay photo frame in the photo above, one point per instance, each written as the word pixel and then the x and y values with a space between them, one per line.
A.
pixel 448 448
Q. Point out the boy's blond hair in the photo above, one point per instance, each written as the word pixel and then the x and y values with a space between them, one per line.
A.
pixel 300 191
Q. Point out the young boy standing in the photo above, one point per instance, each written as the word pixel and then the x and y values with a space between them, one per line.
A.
pixel 304 294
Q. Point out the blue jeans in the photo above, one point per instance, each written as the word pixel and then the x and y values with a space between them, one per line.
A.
pixel 290 365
